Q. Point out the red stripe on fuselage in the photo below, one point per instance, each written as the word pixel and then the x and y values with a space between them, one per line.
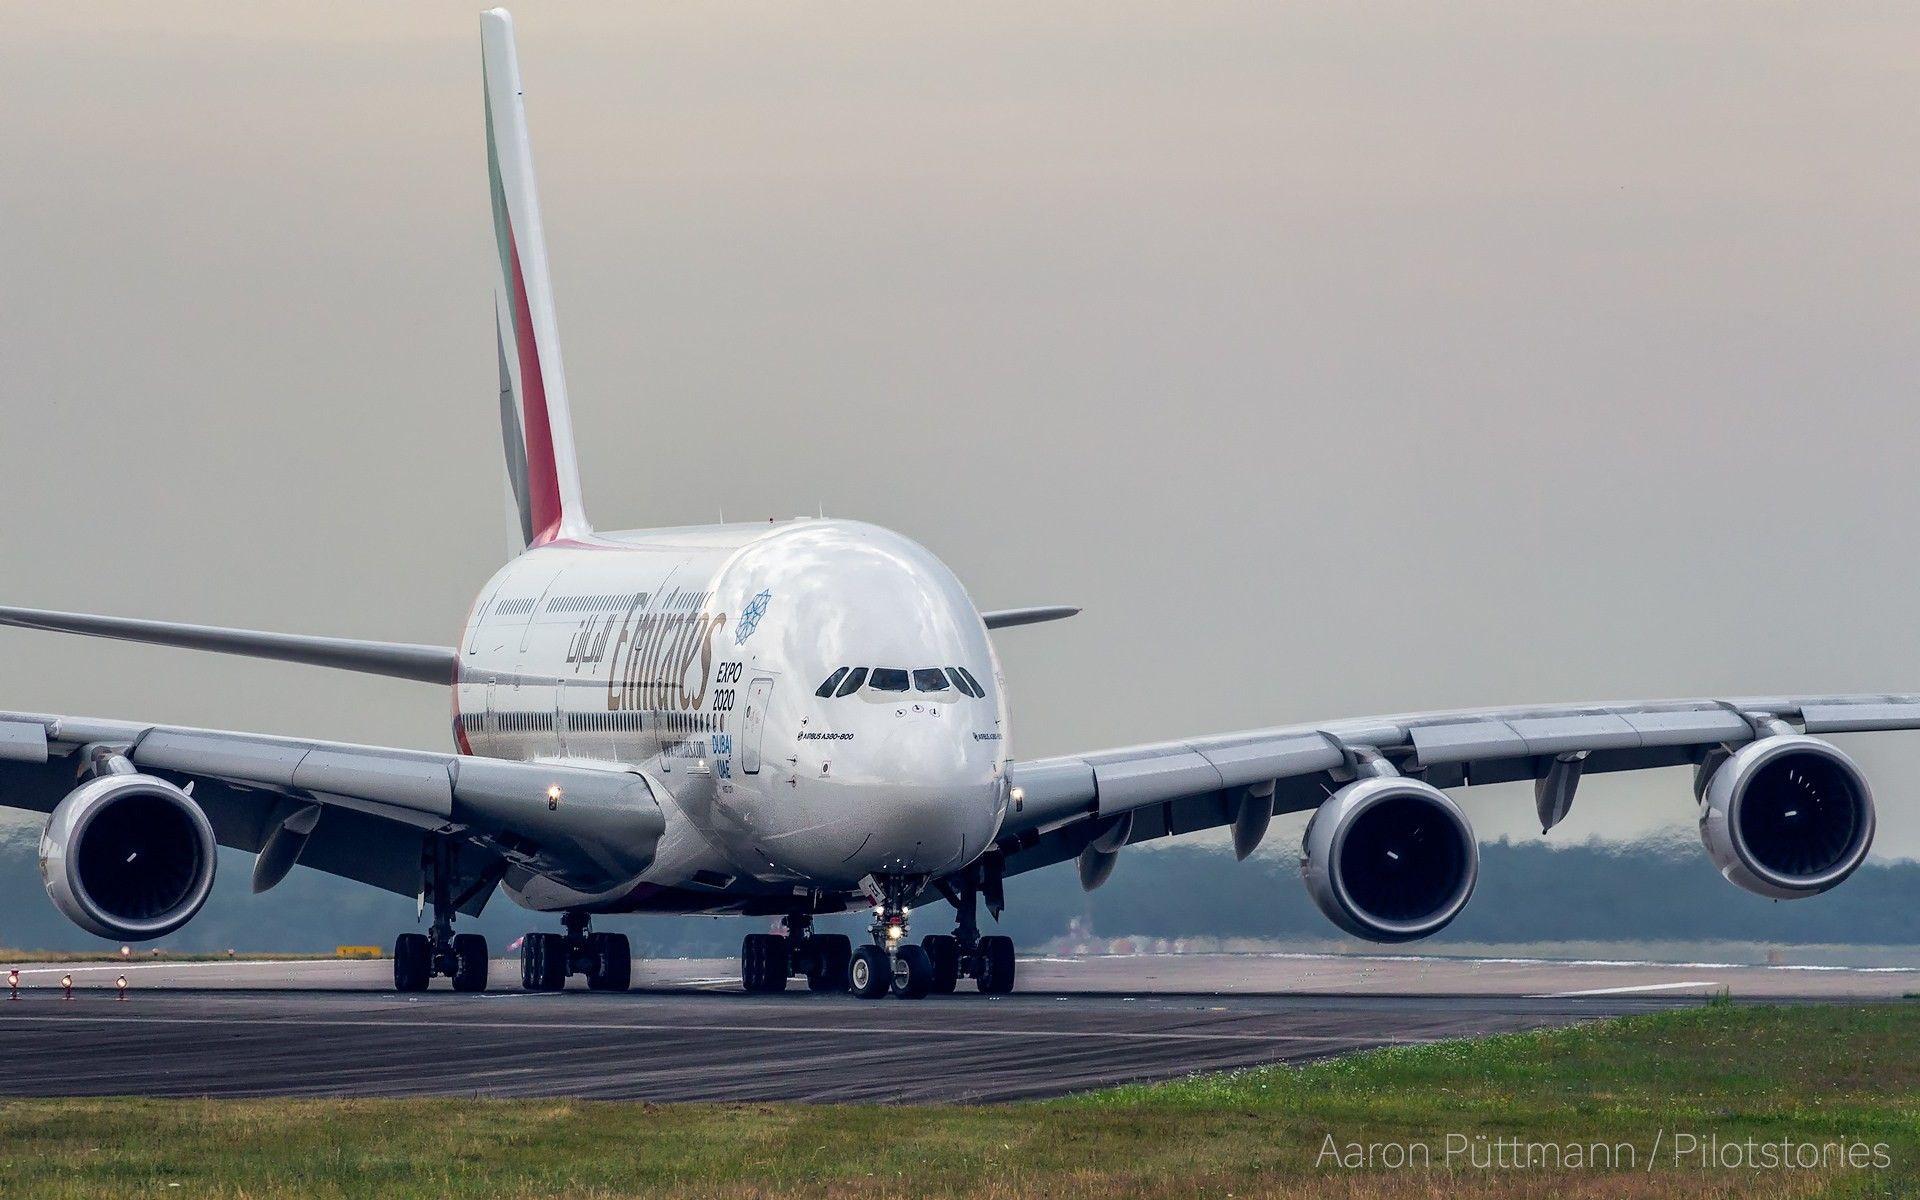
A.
pixel 543 475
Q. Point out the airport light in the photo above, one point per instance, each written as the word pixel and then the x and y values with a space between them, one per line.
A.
pixel 121 983
pixel 13 983
pixel 66 987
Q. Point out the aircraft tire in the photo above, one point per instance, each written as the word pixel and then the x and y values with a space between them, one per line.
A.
pixel 943 950
pixel 763 963
pixel 869 974
pixel 543 962
pixel 996 965
pixel 412 962
pixel 612 962
pixel 912 973
pixel 832 954
pixel 470 957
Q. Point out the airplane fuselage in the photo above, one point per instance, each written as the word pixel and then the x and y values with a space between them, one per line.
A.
pixel 700 658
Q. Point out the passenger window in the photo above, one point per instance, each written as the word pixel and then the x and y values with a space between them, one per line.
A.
pixel 977 689
pixel 833 681
pixel 888 679
pixel 929 679
pixel 964 687
pixel 853 682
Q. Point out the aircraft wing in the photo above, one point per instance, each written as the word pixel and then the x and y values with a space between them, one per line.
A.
pixel 1133 794
pixel 367 813
pixel 398 660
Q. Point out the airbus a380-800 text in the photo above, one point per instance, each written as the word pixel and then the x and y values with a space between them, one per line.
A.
pixel 805 717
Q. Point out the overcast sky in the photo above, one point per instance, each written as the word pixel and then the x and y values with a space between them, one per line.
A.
pixel 1339 358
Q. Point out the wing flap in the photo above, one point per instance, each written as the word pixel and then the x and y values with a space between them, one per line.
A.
pixel 23 741
pixel 1860 718
pixel 1173 787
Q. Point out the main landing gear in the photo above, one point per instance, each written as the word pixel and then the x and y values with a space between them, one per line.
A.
pixel 418 957
pixel 988 960
pixel 547 959
pixel 768 960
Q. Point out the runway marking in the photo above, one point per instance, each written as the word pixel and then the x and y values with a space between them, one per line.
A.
pixel 80 968
pixel 835 1030
pixel 1622 991
pixel 1542 962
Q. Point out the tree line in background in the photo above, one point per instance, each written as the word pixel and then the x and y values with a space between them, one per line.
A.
pixel 1528 892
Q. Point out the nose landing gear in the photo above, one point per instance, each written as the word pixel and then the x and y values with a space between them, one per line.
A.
pixel 891 963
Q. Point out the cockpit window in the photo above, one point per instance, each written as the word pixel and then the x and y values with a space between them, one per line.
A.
pixel 845 681
pixel 833 681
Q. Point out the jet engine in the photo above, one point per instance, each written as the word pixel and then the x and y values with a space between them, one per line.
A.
pixel 1390 859
pixel 128 856
pixel 1787 816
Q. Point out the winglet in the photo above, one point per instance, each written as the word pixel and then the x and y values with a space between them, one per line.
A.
pixel 1001 618
pixel 536 424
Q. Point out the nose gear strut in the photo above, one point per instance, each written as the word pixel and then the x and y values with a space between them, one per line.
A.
pixel 891 963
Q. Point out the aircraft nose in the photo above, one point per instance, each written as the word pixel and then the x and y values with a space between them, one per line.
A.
pixel 936 799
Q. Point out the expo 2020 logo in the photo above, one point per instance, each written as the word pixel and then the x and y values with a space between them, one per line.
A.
pixel 750 617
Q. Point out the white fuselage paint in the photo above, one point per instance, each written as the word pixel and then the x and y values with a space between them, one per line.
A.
pixel 692 657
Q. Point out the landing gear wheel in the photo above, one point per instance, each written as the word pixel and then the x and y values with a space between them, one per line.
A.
pixel 763 963
pixel 832 953
pixel 943 950
pixel 612 967
pixel 912 973
pixel 543 962
pixel 996 965
pixel 412 962
pixel 470 959
pixel 869 974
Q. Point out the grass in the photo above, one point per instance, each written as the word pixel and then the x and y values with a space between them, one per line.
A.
pixel 1811 1075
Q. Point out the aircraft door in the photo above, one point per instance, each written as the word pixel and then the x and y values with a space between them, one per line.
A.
pixel 753 723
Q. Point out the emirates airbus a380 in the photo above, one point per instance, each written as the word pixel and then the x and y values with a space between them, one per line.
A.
pixel 800 718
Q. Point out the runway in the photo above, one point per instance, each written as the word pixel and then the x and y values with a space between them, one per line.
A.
pixel 331 1028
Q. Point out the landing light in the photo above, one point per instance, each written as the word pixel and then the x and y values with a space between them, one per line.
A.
pixel 893 933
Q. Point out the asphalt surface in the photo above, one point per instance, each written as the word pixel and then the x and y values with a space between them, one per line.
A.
pixel 687 1032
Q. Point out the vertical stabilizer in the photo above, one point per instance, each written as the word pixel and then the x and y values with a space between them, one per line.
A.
pixel 535 423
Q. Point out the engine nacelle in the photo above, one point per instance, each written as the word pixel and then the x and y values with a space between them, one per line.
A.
pixel 1390 859
pixel 129 857
pixel 1787 817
